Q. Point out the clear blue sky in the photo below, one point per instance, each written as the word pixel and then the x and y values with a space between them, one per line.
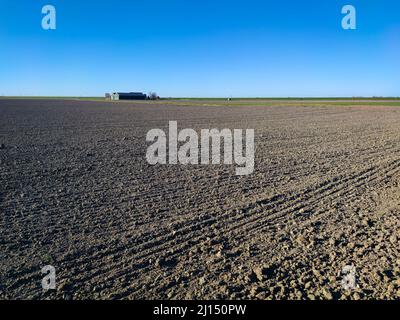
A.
pixel 200 48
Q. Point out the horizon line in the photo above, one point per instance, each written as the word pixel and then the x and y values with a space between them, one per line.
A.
pixel 219 97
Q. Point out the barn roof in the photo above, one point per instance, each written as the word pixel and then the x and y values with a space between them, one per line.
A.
pixel 130 93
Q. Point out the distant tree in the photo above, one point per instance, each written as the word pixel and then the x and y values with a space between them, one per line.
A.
pixel 153 96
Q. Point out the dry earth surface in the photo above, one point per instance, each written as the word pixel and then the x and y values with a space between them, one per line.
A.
pixel 76 192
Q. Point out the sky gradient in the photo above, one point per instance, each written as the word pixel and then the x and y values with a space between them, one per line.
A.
pixel 203 48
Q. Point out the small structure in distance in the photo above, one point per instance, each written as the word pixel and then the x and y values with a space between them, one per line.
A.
pixel 128 96
pixel 153 96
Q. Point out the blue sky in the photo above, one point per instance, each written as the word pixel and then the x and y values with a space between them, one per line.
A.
pixel 193 48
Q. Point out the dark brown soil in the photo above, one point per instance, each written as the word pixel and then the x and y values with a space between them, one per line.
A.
pixel 77 193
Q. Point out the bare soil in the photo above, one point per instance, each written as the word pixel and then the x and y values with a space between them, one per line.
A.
pixel 77 193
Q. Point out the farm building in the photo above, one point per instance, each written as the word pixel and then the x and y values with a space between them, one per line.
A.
pixel 128 96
